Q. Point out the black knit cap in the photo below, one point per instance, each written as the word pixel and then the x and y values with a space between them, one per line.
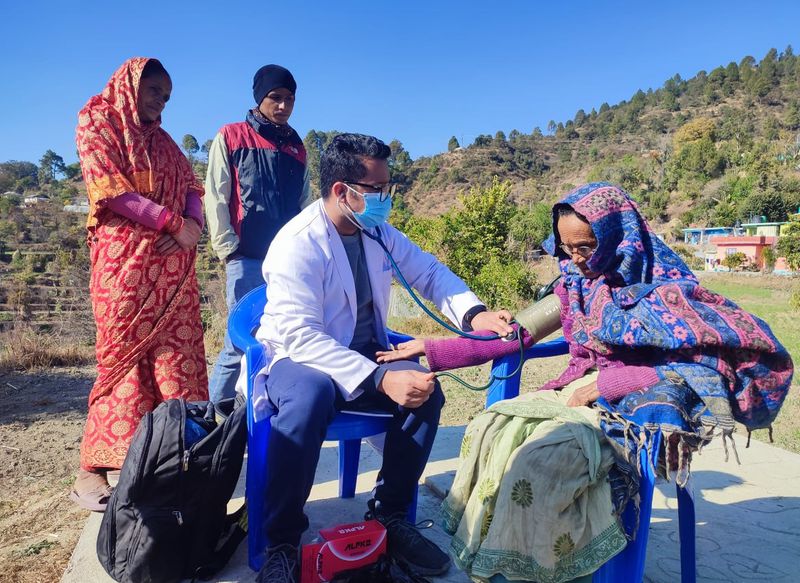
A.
pixel 271 77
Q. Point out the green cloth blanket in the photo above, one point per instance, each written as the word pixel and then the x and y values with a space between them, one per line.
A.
pixel 530 500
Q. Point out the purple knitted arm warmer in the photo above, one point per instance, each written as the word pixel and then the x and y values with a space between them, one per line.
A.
pixel 136 207
pixel 447 353
pixel 194 208
pixel 616 382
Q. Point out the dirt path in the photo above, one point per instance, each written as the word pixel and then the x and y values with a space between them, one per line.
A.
pixel 41 421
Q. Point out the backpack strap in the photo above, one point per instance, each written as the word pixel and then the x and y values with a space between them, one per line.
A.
pixel 235 532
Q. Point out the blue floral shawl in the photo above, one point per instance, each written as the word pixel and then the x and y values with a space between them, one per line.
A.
pixel 647 301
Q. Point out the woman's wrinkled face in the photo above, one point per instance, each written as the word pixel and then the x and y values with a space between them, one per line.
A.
pixel 153 95
pixel 576 233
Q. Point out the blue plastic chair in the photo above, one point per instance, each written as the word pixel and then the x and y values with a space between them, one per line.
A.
pixel 627 566
pixel 347 428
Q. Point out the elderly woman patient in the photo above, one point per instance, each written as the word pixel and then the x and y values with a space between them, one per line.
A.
pixel 544 476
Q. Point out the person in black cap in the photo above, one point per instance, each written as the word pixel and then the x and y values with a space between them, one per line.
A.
pixel 257 181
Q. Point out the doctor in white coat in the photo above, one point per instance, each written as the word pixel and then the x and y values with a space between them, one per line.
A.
pixel 328 291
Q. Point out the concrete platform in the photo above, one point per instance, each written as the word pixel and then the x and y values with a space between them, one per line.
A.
pixel 748 516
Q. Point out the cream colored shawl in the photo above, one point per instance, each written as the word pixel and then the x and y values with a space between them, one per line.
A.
pixel 531 500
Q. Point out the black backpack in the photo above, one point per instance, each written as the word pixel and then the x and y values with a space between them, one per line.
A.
pixel 167 518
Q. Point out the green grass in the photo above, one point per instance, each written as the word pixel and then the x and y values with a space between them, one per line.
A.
pixel 768 298
pixel 771 305
pixel 37 548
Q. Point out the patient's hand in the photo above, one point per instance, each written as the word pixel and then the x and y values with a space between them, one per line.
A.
pixel 403 351
pixel 584 396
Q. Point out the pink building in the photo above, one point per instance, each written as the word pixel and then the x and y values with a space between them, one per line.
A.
pixel 781 266
pixel 752 246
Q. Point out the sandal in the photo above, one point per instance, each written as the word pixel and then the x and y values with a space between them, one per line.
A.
pixel 112 477
pixel 91 491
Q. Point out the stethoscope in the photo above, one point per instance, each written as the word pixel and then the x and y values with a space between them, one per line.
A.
pixel 447 326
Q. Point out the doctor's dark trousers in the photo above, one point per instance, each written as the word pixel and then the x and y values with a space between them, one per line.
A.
pixel 305 401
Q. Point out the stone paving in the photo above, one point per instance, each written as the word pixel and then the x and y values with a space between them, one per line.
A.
pixel 748 515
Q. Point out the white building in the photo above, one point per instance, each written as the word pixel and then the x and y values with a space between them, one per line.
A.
pixel 79 206
pixel 35 199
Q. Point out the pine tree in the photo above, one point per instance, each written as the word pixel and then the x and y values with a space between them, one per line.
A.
pixel 50 165
pixel 791 118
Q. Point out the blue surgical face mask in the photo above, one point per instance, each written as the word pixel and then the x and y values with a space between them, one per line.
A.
pixel 376 211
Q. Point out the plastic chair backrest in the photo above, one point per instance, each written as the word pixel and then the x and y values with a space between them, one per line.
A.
pixel 243 320
pixel 502 367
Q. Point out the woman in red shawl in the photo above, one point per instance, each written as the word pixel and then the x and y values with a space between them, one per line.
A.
pixel 144 224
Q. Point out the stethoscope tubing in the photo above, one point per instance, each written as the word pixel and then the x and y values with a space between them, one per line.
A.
pixel 493 378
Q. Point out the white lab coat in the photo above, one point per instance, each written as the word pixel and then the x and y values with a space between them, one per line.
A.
pixel 310 314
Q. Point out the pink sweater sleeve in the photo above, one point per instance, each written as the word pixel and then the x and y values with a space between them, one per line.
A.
pixel 194 208
pixel 447 353
pixel 616 382
pixel 136 207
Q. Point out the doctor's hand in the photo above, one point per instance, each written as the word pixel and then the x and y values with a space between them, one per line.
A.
pixel 497 322
pixel 407 388
pixel 403 351
pixel 584 396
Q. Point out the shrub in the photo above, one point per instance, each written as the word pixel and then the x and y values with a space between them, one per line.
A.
pixel 770 256
pixel 529 227
pixel 734 261
pixel 789 245
pixel 687 253
pixel 477 232
pixel 505 284
pixel 795 299
pixel 427 232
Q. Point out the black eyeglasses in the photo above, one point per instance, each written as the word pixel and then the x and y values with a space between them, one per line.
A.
pixel 583 250
pixel 386 190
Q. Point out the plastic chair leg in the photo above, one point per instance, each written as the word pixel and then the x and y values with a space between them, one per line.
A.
pixel 505 389
pixel 349 451
pixel 686 530
pixel 628 566
pixel 256 483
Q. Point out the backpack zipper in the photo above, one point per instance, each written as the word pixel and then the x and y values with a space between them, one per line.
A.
pixel 148 421
pixel 111 541
pixel 184 465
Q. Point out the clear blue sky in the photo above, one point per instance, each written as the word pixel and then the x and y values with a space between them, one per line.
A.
pixel 416 71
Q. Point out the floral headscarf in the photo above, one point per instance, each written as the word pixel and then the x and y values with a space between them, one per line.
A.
pixel 120 153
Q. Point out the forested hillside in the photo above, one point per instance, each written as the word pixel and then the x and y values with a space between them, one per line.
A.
pixel 719 147
pixel 715 148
